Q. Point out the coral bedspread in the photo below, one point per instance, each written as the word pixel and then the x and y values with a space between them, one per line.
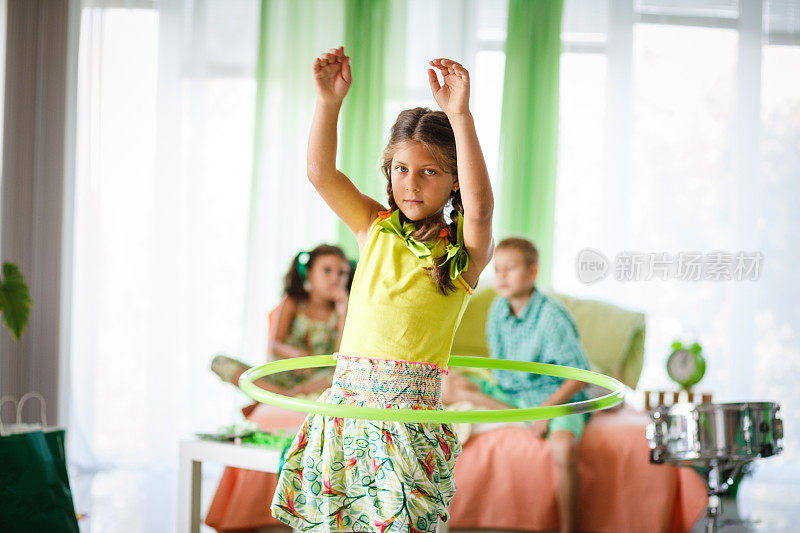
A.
pixel 506 480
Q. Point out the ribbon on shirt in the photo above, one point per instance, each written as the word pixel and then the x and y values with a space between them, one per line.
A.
pixel 456 253
pixel 404 231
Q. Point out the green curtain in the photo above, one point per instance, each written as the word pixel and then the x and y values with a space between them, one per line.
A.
pixel 374 42
pixel 291 34
pixel 529 127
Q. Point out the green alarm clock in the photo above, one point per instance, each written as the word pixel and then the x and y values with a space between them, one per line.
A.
pixel 686 366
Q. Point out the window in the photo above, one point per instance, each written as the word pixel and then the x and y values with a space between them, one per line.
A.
pixel 679 122
pixel 163 177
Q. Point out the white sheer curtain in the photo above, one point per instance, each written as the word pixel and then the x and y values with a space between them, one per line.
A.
pixel 287 215
pixel 165 119
pixel 180 248
pixel 679 131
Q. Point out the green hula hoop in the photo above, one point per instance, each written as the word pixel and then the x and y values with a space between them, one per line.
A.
pixel 439 416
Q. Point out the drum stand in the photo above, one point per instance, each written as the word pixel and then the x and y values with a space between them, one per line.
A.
pixel 720 477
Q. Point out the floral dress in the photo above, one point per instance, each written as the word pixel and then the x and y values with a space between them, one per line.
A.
pixel 315 336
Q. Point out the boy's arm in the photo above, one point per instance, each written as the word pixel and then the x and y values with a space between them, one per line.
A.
pixel 564 392
pixel 491 336
pixel 563 347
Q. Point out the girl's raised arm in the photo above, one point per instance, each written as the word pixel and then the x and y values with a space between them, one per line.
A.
pixel 332 79
pixel 473 178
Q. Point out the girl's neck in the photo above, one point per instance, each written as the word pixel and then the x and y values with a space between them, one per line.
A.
pixel 422 228
pixel 438 216
pixel 318 302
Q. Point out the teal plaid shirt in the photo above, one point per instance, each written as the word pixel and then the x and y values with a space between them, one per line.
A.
pixel 542 333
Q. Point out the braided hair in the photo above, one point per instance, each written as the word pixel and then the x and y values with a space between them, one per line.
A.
pixel 432 130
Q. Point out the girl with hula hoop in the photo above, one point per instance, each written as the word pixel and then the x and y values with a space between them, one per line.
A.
pixel 419 262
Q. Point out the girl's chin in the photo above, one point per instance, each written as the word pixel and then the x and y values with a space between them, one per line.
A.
pixel 411 214
pixel 414 212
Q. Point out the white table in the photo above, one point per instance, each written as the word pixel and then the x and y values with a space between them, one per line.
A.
pixel 193 452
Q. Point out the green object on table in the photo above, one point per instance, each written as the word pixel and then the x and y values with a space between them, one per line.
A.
pixel 615 397
pixel 237 430
pixel 267 440
pixel 264 439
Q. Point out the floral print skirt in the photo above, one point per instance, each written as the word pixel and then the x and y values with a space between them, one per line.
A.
pixel 343 474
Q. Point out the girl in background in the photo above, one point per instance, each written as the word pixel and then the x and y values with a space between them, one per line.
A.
pixel 308 321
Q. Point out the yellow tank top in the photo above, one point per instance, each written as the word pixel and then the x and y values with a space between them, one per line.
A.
pixel 395 310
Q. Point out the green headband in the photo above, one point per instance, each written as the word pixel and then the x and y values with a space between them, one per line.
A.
pixel 302 263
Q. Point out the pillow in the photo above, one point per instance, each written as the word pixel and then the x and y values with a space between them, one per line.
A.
pixel 612 337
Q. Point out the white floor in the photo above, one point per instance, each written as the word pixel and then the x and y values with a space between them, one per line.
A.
pixel 760 507
pixel 131 501
pixel 127 501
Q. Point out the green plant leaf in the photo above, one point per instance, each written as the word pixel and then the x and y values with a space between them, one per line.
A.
pixel 15 300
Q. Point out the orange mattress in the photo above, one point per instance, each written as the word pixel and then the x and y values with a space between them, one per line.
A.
pixel 506 479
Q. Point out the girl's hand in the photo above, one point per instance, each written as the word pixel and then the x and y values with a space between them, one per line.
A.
pixel 341 301
pixel 453 96
pixel 539 428
pixel 303 372
pixel 332 76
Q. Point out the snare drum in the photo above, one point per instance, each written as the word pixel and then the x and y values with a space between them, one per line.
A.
pixel 687 433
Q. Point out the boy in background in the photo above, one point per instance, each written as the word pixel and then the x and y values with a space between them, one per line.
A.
pixel 526 325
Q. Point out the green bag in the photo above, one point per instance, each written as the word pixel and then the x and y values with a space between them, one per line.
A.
pixel 35 494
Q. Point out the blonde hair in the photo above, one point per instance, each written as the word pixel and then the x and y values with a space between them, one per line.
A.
pixel 528 250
